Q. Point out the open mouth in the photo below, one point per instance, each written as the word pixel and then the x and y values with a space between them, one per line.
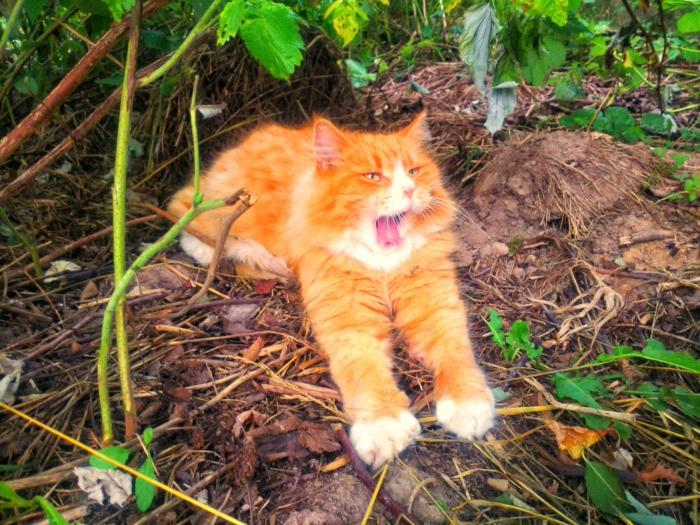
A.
pixel 388 230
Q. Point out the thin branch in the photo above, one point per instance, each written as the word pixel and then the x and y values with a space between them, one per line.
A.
pixel 225 228
pixel 30 123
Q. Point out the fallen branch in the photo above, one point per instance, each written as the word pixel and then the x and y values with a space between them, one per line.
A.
pixel 390 504
pixel 225 228
pixel 58 252
pixel 30 123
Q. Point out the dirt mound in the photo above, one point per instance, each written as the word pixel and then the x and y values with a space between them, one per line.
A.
pixel 570 179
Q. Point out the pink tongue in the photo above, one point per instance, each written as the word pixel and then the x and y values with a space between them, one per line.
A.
pixel 388 231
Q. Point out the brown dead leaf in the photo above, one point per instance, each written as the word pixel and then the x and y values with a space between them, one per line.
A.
pixel 660 471
pixel 293 438
pixel 253 351
pixel 574 440
pixel 265 287
pixel 176 392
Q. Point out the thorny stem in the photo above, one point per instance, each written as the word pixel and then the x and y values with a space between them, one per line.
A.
pixel 120 290
pixel 121 162
pixel 197 30
pixel 198 197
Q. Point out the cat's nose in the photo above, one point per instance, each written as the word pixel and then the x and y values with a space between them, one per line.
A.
pixel 409 192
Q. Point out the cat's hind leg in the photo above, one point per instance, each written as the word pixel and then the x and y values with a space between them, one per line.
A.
pixel 251 258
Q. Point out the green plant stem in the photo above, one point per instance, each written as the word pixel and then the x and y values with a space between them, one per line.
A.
pixel 11 22
pixel 120 290
pixel 198 197
pixel 197 30
pixel 121 163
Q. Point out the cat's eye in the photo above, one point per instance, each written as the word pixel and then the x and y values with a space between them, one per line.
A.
pixel 413 172
pixel 373 175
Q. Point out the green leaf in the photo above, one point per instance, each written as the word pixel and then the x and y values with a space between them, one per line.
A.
pixel 643 516
pixel 567 92
pixel 623 430
pixel 359 76
pixel 348 17
pixel 650 519
pixel 616 121
pixel 688 402
pixel 518 339
pixel 653 395
pixel 578 119
pixel 502 100
pixel 496 327
pixel 7 493
pixel 505 70
pixel 148 436
pixel 604 488
pixel 633 134
pixel 199 7
pixel 119 7
pixel 500 395
pixel 230 21
pixel 582 390
pixel 144 491
pixel 655 123
pixel 50 512
pixel 556 10
pixel 480 28
pixel 653 351
pixel 272 37
pixel 33 8
pixel 118 454
pixel 689 22
pixel 555 52
pixel 535 69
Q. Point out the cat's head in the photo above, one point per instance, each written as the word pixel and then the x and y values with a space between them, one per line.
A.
pixel 384 187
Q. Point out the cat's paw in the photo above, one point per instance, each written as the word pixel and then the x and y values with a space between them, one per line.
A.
pixel 468 418
pixel 378 440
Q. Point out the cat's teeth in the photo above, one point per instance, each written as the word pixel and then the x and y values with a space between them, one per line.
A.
pixel 469 419
pixel 377 441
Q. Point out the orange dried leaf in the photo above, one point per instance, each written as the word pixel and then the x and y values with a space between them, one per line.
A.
pixel 659 471
pixel 574 440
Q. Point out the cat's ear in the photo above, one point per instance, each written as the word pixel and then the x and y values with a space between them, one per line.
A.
pixel 328 142
pixel 417 130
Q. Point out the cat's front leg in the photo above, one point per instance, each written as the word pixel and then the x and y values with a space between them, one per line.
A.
pixel 351 323
pixel 432 317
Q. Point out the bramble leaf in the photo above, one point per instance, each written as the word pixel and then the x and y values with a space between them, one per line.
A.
pixel 271 34
pixel 555 10
pixel 230 21
pixel 582 390
pixel 502 101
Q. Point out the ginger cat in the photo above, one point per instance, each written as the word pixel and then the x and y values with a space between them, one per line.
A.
pixel 364 223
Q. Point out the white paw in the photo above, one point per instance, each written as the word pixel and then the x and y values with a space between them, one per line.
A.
pixel 379 440
pixel 198 250
pixel 468 419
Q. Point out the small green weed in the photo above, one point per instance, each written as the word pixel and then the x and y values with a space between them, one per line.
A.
pixel 515 341
pixel 143 491
pixel 9 498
